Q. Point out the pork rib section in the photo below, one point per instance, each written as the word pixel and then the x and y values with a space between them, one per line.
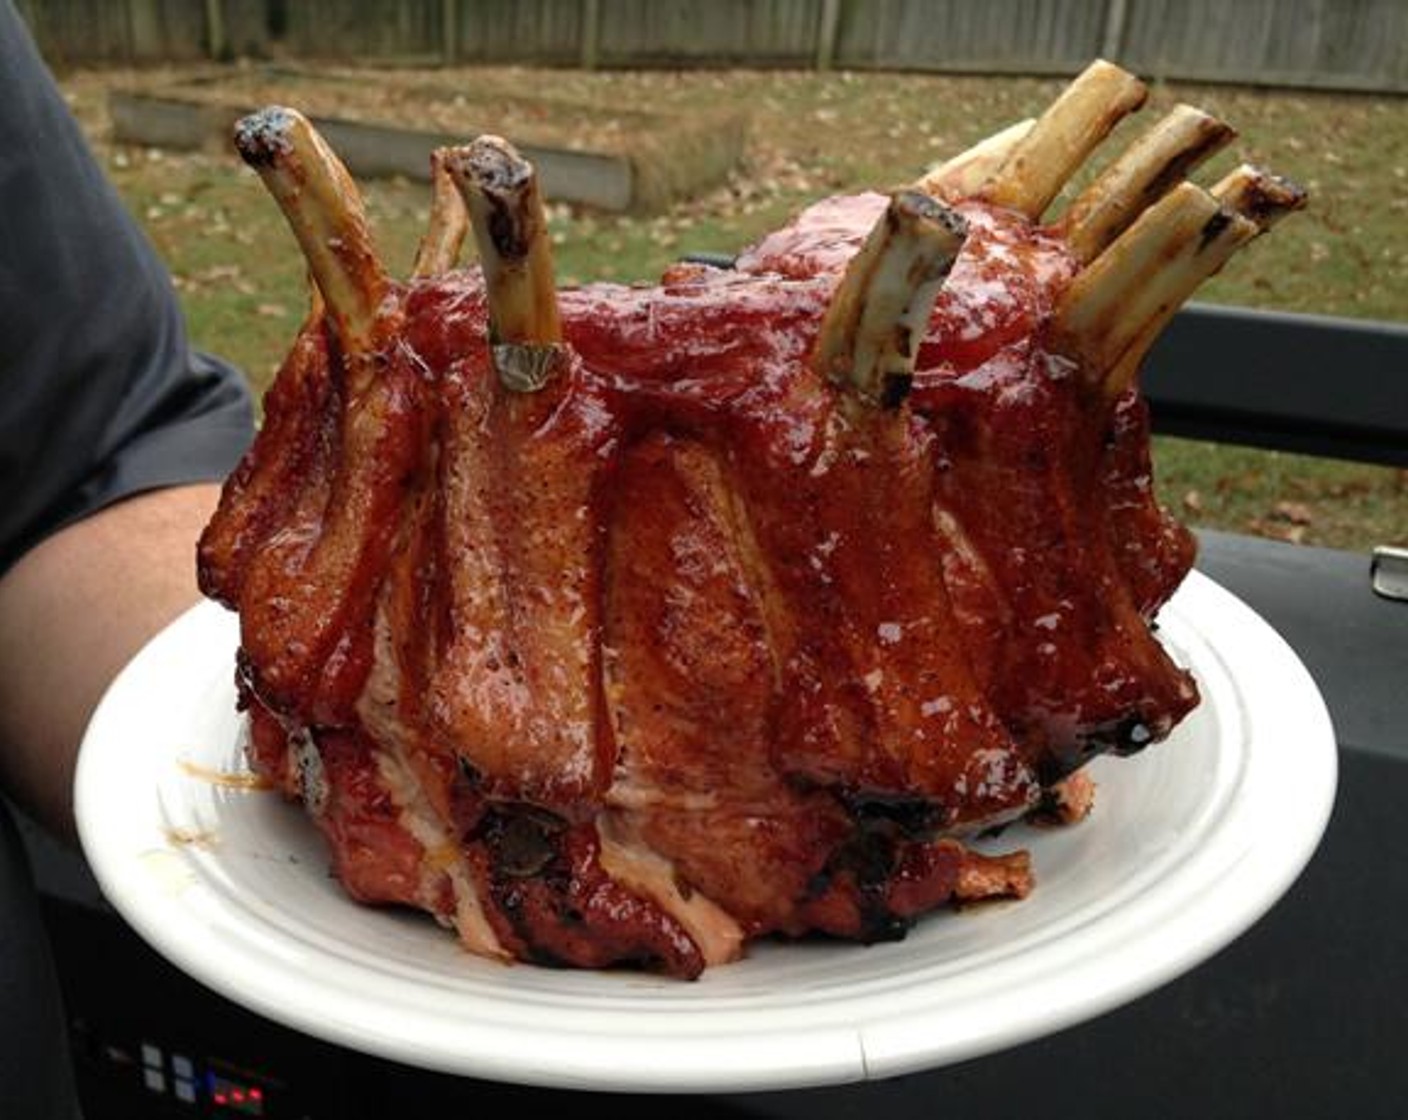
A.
pixel 627 625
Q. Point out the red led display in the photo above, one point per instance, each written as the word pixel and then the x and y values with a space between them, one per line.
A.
pixel 236 1097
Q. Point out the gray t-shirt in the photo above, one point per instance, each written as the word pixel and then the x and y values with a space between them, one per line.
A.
pixel 101 395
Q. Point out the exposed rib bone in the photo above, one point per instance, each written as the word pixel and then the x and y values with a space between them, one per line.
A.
pixel 1137 284
pixel 449 222
pixel 324 209
pixel 500 188
pixel 880 310
pixel 964 174
pixel 1063 137
pixel 1146 171
pixel 1257 196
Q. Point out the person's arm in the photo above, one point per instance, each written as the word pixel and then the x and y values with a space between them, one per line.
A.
pixel 113 436
pixel 72 612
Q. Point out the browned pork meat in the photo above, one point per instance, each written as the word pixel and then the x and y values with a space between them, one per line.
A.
pixel 624 625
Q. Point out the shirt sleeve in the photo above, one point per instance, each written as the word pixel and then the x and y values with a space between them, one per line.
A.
pixel 101 395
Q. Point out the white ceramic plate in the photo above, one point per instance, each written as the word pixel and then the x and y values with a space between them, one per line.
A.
pixel 1188 845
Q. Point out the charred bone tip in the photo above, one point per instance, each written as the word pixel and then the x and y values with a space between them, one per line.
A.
pixel 262 138
pixel 496 165
pixel 1249 201
pixel 324 210
pixel 869 339
pixel 501 191
pixel 1114 309
pixel 504 186
pixel 1259 195
pixel 916 206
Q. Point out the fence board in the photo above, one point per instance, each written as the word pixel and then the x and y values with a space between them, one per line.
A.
pixel 1351 44
pixel 757 32
pixel 542 31
pixel 367 29
pixel 1026 36
pixel 251 26
pixel 1346 44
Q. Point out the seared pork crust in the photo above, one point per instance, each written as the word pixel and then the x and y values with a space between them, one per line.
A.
pixel 625 625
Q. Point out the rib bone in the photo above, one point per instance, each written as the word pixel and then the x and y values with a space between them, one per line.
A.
pixel 1136 285
pixel 964 174
pixel 1063 137
pixel 880 310
pixel 500 188
pixel 1256 197
pixel 1146 171
pixel 449 221
pixel 324 209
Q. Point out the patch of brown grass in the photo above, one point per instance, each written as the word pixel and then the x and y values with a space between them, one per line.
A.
pixel 240 277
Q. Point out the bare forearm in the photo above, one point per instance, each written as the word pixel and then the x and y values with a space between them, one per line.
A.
pixel 72 612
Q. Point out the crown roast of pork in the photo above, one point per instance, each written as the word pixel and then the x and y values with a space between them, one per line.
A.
pixel 623 625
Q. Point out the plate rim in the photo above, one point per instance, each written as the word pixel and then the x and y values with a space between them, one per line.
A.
pixel 1286 703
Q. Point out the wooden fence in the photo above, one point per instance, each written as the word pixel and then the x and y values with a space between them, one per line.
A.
pixel 1339 44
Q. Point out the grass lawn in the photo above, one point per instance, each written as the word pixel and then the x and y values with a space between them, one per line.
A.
pixel 241 280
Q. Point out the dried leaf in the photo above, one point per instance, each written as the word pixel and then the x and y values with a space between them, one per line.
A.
pixel 1276 530
pixel 1297 513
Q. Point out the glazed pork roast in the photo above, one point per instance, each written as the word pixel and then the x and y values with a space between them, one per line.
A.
pixel 623 625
